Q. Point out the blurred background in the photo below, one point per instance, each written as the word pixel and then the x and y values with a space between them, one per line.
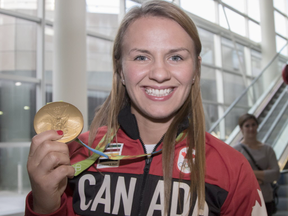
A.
pixel 244 51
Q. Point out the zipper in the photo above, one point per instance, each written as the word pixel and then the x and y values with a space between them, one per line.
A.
pixel 145 173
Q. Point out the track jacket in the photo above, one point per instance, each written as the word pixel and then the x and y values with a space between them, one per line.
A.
pixel 135 186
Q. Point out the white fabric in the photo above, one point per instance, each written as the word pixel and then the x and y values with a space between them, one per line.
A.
pixel 149 148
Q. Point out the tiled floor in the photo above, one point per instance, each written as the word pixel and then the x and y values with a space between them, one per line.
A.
pixel 12 203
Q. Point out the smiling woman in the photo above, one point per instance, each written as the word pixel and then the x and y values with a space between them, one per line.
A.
pixel 151 128
pixel 157 71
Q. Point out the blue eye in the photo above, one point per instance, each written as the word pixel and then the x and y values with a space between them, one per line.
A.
pixel 140 58
pixel 176 58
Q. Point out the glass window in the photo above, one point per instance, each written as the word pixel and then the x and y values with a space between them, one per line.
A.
pixel 280 43
pixel 16 121
pixel 49 9
pixel 254 32
pixel 233 86
pixel 14 176
pixel 49 93
pixel 207 40
pixel 256 62
pixel 208 84
pixel 100 6
pixel 18 46
pixel 238 5
pixel 280 24
pixel 280 5
pixel 7 43
pixel 95 99
pixel 222 18
pixel 106 24
pixel 281 65
pixel 203 8
pixel 254 9
pixel 27 7
pixel 99 63
pixel 257 90
pixel 99 73
pixel 230 57
pixel 130 4
pixel 211 114
pixel 49 33
pixel 236 21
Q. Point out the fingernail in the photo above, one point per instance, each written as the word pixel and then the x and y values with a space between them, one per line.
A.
pixel 60 132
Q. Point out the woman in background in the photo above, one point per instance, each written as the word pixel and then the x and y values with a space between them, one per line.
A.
pixel 266 168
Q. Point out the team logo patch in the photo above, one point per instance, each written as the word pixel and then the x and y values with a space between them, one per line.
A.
pixel 112 148
pixel 182 162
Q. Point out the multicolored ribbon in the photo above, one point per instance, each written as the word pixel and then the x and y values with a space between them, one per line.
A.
pixel 98 151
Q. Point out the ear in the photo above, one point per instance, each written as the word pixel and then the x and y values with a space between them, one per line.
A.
pixel 199 61
pixel 122 77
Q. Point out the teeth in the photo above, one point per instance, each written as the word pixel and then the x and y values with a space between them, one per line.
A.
pixel 157 92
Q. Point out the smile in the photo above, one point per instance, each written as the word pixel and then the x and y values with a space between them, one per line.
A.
pixel 158 92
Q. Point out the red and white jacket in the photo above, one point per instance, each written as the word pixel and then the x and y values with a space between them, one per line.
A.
pixel 135 186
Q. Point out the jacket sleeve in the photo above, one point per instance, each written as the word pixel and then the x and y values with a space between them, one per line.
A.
pixel 245 197
pixel 60 212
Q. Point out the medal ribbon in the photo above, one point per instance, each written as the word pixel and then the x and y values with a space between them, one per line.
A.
pixel 98 152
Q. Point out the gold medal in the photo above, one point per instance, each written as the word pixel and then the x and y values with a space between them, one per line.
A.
pixel 59 116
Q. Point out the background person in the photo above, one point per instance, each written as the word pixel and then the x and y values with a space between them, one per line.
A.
pixel 154 106
pixel 263 155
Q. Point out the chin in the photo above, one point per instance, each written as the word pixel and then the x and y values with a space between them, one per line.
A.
pixel 161 117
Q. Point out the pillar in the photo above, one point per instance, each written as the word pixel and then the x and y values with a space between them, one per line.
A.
pixel 69 61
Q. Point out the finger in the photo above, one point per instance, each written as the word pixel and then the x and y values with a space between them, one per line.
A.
pixel 40 138
pixel 51 161
pixel 47 147
pixel 61 172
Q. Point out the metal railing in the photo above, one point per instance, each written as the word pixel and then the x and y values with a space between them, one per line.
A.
pixel 250 98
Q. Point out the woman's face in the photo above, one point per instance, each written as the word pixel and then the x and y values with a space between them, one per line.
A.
pixel 158 67
pixel 249 129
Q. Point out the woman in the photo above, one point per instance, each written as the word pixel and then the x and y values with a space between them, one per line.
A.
pixel 154 106
pixel 266 168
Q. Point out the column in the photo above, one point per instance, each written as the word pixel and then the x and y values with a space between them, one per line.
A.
pixel 268 41
pixel 69 61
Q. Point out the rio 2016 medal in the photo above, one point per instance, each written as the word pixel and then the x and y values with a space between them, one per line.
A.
pixel 59 116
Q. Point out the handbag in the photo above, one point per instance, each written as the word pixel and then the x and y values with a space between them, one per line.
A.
pixel 274 185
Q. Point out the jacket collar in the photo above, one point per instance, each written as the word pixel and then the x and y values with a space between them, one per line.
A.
pixel 128 123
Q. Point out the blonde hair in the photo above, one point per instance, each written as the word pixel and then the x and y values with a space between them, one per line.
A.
pixel 118 98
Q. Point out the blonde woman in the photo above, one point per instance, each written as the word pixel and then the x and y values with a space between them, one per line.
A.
pixel 153 121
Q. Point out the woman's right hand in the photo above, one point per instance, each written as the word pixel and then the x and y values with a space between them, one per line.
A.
pixel 48 168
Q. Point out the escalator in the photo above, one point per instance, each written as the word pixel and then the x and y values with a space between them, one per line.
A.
pixel 273 124
pixel 271 110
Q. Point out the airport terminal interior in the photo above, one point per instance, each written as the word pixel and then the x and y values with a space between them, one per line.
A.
pixel 244 50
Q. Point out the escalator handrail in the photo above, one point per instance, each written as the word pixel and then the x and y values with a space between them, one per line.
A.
pixel 275 122
pixel 271 111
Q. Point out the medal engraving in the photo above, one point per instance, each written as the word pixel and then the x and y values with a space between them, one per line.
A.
pixel 59 116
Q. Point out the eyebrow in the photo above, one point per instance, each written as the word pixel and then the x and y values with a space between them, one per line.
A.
pixel 170 51
pixel 138 50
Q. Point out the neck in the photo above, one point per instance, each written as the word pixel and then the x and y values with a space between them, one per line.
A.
pixel 251 142
pixel 151 131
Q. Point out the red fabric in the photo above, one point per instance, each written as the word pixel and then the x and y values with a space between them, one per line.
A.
pixel 225 168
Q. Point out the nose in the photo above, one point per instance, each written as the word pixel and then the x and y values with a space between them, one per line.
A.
pixel 159 71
